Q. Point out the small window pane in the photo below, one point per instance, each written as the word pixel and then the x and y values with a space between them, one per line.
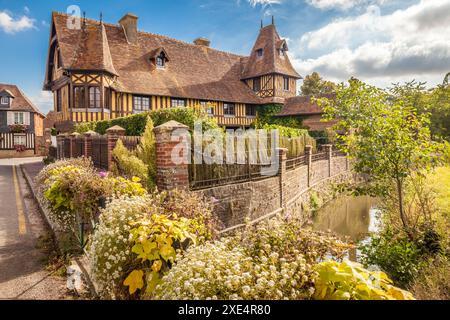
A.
pixel 4 100
pixel 228 109
pixel 94 97
pixel 286 83
pixel 141 103
pixel 257 84
pixel 18 118
pixel 79 97
pixel 250 110
pixel 175 103
pixel 20 140
pixel 259 52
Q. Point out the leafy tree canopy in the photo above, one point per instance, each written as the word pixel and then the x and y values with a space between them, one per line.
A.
pixel 314 85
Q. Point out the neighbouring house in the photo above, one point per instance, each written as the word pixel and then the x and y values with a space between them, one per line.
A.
pixel 21 124
pixel 100 71
pixel 308 112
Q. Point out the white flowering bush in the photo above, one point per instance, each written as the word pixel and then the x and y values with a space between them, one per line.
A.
pixel 135 243
pixel 110 251
pixel 222 271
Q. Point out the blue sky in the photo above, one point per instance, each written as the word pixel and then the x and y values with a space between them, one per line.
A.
pixel 378 41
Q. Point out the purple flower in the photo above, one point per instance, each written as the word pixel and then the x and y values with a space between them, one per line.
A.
pixel 103 174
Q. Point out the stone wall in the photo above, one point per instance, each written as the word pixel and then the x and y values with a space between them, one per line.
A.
pixel 288 193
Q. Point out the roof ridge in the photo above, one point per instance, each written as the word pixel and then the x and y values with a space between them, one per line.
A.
pixel 154 34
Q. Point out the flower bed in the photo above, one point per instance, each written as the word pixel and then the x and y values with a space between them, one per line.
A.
pixel 165 245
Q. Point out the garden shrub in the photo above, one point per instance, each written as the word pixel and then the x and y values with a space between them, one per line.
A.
pixel 350 281
pixel 72 190
pixel 191 205
pixel 433 282
pixel 129 165
pixel 287 237
pixel 138 239
pixel 222 271
pixel 146 151
pixel 394 253
pixel 135 124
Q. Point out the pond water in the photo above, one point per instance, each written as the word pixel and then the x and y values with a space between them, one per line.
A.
pixel 352 217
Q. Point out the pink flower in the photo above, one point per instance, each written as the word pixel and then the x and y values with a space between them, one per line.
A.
pixel 103 174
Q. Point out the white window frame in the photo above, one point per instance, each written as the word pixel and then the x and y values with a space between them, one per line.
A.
pixel 17 116
pixel 229 106
pixel 4 101
pixel 22 140
pixel 208 107
pixel 139 105
pixel 176 103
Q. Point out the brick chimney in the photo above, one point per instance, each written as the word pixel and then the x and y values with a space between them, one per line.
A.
pixel 202 42
pixel 129 24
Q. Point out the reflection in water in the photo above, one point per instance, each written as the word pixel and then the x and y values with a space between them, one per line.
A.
pixel 353 217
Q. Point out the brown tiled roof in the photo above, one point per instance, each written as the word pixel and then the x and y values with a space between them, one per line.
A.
pixel 270 62
pixel 20 101
pixel 193 71
pixel 301 105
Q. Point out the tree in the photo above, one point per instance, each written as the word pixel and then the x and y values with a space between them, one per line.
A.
pixel 385 135
pixel 435 102
pixel 314 85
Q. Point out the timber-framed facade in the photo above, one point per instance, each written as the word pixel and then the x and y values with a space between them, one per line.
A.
pixel 102 71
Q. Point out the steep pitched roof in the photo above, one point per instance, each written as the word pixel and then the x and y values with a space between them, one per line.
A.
pixel 302 105
pixel 193 71
pixel 20 101
pixel 269 41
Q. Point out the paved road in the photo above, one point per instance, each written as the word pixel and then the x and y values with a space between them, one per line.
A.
pixel 22 264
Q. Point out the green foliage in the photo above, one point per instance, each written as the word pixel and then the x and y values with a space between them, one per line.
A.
pixel 397 255
pixel 433 283
pixel 154 242
pixel 73 190
pixel 288 132
pixel 146 151
pixel 350 281
pixel 129 165
pixel 434 102
pixel 314 85
pixel 138 239
pixel 387 138
pixel 135 124
pixel 267 115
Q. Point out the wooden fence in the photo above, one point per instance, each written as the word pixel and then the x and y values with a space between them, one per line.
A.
pixel 8 140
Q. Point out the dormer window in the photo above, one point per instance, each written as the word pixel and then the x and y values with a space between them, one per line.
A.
pixel 161 61
pixel 4 101
pixel 281 52
pixel 259 53
pixel 159 58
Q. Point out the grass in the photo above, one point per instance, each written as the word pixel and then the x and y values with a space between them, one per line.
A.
pixel 439 181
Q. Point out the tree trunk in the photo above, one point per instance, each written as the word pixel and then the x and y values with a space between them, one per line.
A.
pixel 400 206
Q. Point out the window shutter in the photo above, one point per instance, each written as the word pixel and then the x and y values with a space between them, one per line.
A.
pixel 10 118
pixel 26 118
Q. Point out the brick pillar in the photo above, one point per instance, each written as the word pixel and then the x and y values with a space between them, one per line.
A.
pixel 308 154
pixel 282 157
pixel 170 174
pixel 113 134
pixel 72 138
pixel 329 151
pixel 87 152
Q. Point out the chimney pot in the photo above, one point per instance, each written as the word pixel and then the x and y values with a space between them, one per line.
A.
pixel 129 24
pixel 202 42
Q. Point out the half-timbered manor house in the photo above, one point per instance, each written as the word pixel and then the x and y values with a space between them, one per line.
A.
pixel 102 71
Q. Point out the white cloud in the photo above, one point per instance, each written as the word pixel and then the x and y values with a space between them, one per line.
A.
pixel 44 101
pixel 263 3
pixel 11 25
pixel 342 4
pixel 409 43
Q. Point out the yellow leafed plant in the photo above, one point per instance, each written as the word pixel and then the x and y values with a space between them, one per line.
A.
pixel 350 281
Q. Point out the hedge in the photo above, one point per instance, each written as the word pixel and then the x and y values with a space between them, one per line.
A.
pixel 135 124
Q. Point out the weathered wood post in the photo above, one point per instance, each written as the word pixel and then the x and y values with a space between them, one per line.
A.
pixel 308 155
pixel 112 135
pixel 172 156
pixel 329 151
pixel 59 146
pixel 282 157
